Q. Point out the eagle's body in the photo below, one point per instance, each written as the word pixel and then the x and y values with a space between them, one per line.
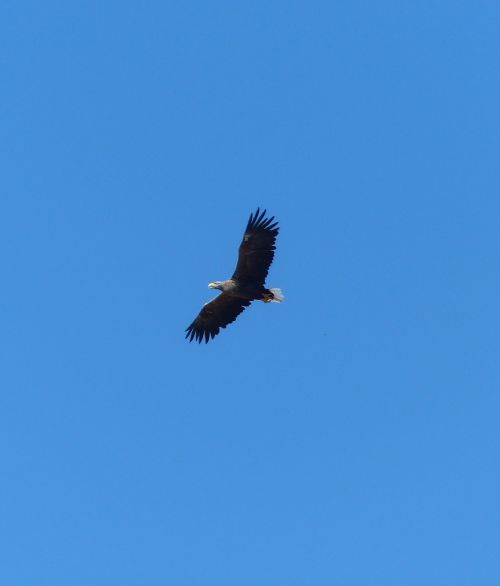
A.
pixel 247 284
pixel 241 289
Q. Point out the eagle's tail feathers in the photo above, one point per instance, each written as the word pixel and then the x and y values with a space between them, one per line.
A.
pixel 277 295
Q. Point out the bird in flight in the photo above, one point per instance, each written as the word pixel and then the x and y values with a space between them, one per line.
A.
pixel 247 284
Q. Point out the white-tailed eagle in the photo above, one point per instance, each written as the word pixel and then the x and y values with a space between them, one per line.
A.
pixel 247 284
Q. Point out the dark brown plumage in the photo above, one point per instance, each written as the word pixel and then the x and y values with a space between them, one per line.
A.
pixel 247 284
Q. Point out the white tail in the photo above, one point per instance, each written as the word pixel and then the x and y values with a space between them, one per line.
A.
pixel 278 295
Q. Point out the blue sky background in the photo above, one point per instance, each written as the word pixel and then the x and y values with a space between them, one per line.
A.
pixel 349 436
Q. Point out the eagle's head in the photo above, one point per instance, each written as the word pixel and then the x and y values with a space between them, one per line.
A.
pixel 215 285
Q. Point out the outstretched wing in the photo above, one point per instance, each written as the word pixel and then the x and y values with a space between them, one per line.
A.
pixel 257 248
pixel 215 315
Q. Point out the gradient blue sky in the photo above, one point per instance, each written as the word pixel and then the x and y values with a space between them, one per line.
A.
pixel 349 436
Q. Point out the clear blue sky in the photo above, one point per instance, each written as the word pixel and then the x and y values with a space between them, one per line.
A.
pixel 349 436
